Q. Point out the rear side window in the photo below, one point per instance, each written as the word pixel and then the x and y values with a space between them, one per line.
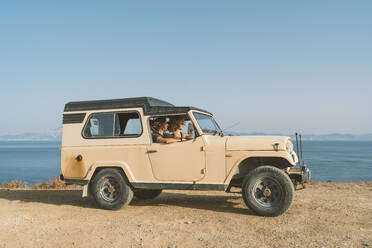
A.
pixel 127 124
pixel 99 125
pixel 111 125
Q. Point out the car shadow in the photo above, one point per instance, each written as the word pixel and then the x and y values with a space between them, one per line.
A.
pixel 218 203
pixel 56 197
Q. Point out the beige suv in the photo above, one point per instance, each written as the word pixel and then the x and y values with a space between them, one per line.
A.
pixel 107 146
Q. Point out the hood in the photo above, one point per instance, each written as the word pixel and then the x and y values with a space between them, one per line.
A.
pixel 257 143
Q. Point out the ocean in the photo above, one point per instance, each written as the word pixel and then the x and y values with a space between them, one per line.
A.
pixel 338 161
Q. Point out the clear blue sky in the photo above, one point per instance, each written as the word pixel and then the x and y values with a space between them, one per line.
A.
pixel 275 66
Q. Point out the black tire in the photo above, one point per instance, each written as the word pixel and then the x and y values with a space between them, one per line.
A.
pixel 147 194
pixel 268 191
pixel 111 190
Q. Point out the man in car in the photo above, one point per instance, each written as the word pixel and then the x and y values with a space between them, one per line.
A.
pixel 159 127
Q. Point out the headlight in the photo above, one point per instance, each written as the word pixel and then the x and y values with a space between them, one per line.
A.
pixel 289 146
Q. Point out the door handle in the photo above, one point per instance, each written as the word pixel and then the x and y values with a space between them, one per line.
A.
pixel 152 151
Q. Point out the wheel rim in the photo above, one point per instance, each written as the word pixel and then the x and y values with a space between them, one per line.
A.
pixel 110 189
pixel 267 192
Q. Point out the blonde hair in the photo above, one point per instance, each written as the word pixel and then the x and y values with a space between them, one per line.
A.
pixel 175 123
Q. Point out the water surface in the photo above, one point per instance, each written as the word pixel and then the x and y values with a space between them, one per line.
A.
pixel 339 161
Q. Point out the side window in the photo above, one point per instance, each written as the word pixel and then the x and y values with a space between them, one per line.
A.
pixel 109 125
pixel 99 125
pixel 127 124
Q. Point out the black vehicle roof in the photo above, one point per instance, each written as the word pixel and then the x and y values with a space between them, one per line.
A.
pixel 150 105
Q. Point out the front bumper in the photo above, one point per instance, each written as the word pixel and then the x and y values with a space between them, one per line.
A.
pixel 300 175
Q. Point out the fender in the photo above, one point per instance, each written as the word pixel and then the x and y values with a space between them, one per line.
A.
pixel 290 160
pixel 110 163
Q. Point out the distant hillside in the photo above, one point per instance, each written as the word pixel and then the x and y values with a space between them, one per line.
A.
pixel 315 137
pixel 337 136
pixel 53 135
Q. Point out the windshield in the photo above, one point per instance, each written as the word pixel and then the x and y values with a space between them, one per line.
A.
pixel 207 123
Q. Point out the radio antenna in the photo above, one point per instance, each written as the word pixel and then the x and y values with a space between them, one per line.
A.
pixel 302 159
pixel 231 126
pixel 298 151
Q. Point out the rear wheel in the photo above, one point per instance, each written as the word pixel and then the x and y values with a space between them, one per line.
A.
pixel 110 190
pixel 268 191
pixel 147 194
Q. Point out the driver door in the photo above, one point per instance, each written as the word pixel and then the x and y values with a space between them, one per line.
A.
pixel 181 161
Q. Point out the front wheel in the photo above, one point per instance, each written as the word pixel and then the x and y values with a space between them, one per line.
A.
pixel 268 191
pixel 110 190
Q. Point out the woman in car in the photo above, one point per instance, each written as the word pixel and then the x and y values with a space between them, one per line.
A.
pixel 159 127
pixel 176 125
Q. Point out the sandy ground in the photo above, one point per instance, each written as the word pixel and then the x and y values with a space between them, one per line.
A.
pixel 322 215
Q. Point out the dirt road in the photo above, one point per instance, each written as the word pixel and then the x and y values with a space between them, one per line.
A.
pixel 322 215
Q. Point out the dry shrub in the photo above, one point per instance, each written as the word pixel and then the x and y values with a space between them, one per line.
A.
pixel 14 184
pixel 53 183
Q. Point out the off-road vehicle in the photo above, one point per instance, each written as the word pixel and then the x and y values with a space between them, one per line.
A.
pixel 107 146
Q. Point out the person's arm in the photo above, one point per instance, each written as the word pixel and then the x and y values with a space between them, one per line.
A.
pixel 167 140
pixel 186 136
